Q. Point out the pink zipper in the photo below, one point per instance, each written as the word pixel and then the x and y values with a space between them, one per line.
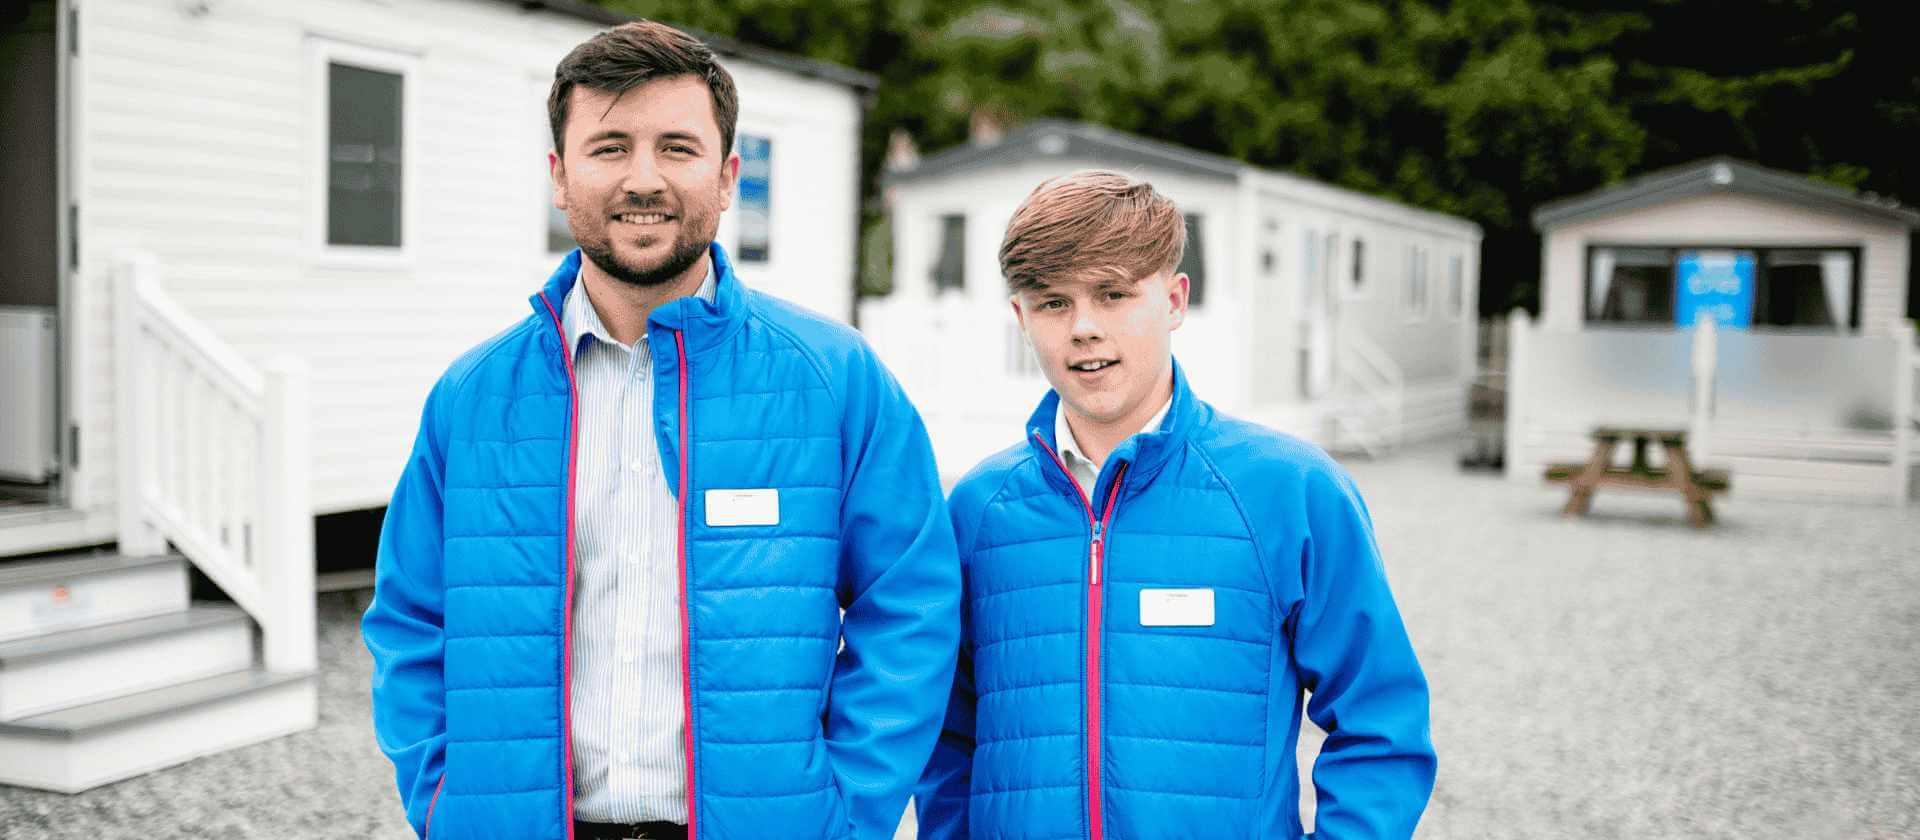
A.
pixel 686 626
pixel 428 828
pixel 566 655
pixel 1096 602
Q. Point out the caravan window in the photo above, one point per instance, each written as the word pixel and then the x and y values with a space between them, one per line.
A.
pixel 1419 292
pixel 950 268
pixel 755 210
pixel 365 156
pixel 1359 266
pixel 1817 288
pixel 1194 262
pixel 1456 286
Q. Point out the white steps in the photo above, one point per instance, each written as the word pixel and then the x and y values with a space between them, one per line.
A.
pixel 47 596
pixel 64 669
pixel 107 672
pixel 86 746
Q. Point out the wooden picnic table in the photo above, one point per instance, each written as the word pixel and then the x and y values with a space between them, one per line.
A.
pixel 1696 487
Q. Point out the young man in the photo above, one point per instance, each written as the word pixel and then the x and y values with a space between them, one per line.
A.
pixel 610 587
pixel 1151 585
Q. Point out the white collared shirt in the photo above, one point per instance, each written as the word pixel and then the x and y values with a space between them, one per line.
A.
pixel 1082 468
pixel 628 714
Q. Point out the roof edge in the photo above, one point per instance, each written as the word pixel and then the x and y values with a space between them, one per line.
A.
pixel 1720 174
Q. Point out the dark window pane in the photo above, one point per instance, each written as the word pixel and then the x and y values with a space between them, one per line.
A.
pixel 1639 293
pixel 1805 288
pixel 363 156
pixel 1359 263
pixel 1632 285
pixel 1194 262
pixel 950 270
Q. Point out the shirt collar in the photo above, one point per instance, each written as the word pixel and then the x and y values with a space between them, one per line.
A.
pixel 583 320
pixel 1070 449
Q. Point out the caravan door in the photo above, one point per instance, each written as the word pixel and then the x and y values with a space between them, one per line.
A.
pixel 33 253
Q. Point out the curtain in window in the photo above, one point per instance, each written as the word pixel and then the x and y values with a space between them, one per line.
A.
pixel 1602 274
pixel 1836 276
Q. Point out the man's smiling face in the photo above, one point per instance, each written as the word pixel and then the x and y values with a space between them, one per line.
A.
pixel 643 177
pixel 1104 343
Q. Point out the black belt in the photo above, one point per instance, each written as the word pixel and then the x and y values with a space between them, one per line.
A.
pixel 628 831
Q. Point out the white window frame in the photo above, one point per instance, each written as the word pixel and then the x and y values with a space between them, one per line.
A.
pixel 321 53
pixel 1418 277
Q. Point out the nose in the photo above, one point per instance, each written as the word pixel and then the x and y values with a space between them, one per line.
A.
pixel 642 177
pixel 1086 330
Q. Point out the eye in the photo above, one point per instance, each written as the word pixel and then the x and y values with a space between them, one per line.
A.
pixel 680 149
pixel 604 151
pixel 1117 295
pixel 1053 303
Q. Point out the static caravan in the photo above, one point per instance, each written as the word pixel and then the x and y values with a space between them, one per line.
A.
pixel 1761 311
pixel 242 239
pixel 1340 317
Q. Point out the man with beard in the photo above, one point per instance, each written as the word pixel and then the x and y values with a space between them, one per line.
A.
pixel 611 582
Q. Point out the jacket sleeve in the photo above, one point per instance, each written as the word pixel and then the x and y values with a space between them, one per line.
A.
pixel 900 588
pixel 404 627
pixel 1376 768
pixel 941 797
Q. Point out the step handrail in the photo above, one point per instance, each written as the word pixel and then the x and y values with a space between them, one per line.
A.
pixel 215 459
pixel 1383 383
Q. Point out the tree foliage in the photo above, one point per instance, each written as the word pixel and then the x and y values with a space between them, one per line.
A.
pixel 1482 108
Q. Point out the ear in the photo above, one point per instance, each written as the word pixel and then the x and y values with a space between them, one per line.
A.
pixel 1177 290
pixel 729 179
pixel 558 172
pixel 1019 315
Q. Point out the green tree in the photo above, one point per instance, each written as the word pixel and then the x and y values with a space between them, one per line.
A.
pixel 1482 108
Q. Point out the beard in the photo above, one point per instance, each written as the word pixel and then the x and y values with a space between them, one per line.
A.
pixel 689 244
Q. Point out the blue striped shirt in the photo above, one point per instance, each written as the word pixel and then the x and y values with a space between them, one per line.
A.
pixel 629 717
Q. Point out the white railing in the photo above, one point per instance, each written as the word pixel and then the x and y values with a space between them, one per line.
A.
pixel 214 458
pixel 1382 386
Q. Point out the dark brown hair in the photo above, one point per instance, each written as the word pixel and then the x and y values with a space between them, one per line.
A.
pixel 630 54
pixel 1091 222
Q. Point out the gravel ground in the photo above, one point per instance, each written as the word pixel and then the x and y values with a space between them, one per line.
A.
pixel 1620 675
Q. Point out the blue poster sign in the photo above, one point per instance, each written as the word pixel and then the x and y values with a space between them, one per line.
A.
pixel 1718 284
pixel 756 201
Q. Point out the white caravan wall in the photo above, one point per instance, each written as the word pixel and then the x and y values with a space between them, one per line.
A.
pixel 200 141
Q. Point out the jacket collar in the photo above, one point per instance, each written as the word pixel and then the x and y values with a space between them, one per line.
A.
pixel 706 324
pixel 1144 453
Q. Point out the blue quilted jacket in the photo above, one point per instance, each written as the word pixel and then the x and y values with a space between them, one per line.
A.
pixel 1091 702
pixel 789 734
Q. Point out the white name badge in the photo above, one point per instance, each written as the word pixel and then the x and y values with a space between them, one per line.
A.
pixel 1176 608
pixel 743 507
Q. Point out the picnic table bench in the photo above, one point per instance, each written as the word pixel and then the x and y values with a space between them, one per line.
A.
pixel 1696 487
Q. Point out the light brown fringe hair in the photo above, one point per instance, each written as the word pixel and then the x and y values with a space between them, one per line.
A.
pixel 1091 223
